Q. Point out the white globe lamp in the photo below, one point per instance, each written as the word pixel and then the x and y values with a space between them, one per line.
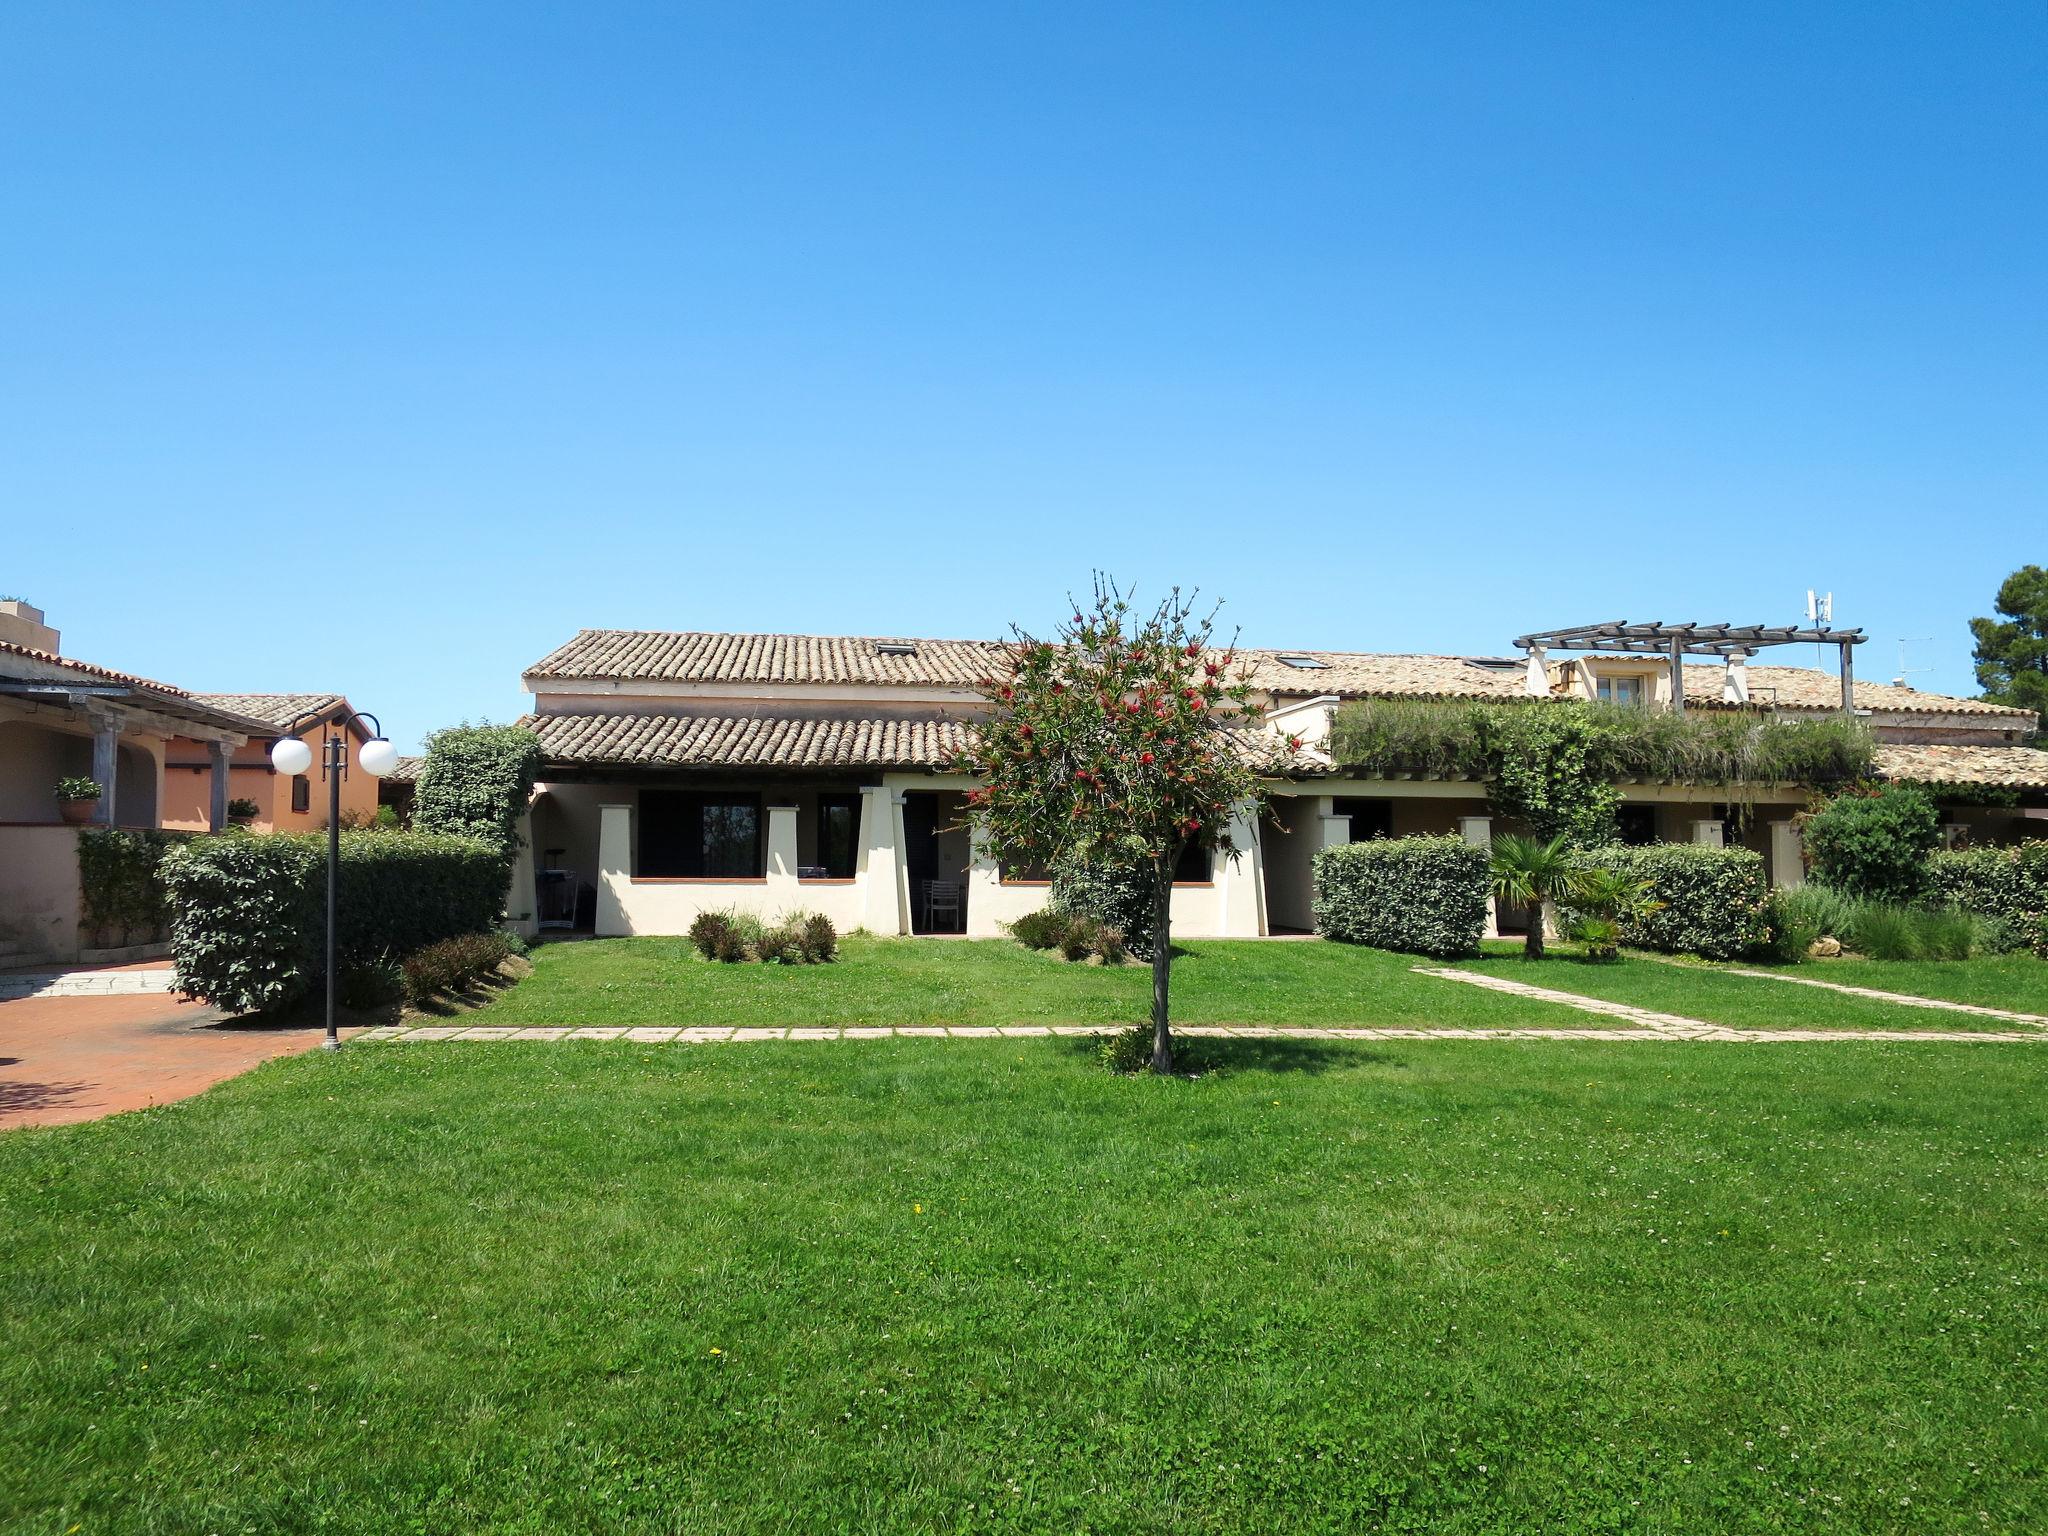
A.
pixel 378 757
pixel 291 756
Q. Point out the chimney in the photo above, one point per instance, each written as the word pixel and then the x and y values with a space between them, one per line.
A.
pixel 22 624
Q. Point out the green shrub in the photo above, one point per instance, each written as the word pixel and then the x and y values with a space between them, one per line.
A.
pixel 1875 844
pixel 1042 929
pixel 452 964
pixel 1883 930
pixel 1605 901
pixel 709 931
pixel 1078 941
pixel 1421 895
pixel 369 983
pixel 782 944
pixel 243 809
pixel 2009 884
pixel 1108 945
pixel 820 939
pixel 476 782
pixel 1704 901
pixel 76 787
pixel 1119 896
pixel 120 884
pixel 248 913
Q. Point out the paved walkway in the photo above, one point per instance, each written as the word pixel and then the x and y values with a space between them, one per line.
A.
pixel 108 981
pixel 75 1054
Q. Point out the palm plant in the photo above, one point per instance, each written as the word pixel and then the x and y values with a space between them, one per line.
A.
pixel 1608 900
pixel 1529 873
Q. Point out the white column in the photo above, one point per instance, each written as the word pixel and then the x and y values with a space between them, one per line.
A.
pixel 782 892
pixel 881 860
pixel 984 889
pixel 1788 862
pixel 1478 831
pixel 522 897
pixel 1709 833
pixel 1333 831
pixel 1241 882
pixel 615 870
pixel 1536 675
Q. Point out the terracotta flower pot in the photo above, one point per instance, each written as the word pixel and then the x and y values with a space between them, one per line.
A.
pixel 77 812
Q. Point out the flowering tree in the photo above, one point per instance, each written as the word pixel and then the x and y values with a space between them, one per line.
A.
pixel 1112 741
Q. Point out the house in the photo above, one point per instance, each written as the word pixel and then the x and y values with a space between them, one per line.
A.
pixel 397 788
pixel 689 771
pixel 60 718
pixel 283 804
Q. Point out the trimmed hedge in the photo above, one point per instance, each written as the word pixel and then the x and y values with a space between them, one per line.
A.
pixel 2010 884
pixel 476 782
pixel 248 913
pixel 120 883
pixel 1420 895
pixel 1874 844
pixel 1711 902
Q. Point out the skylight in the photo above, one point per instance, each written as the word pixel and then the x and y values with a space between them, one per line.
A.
pixel 1304 663
pixel 895 647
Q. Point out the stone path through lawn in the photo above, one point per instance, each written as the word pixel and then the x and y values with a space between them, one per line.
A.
pixel 1906 998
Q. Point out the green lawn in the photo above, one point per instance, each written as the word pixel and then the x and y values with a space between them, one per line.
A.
pixel 913 1286
pixel 1714 996
pixel 996 981
pixel 2001 981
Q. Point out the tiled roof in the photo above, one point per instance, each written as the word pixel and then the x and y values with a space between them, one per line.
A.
pixel 2002 767
pixel 405 771
pixel 163 697
pixel 1363 674
pixel 774 741
pixel 1810 688
pixel 627 655
pixel 276 709
pixel 106 674
pixel 785 741
pixel 669 656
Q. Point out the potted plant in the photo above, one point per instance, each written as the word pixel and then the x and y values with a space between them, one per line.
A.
pixel 243 811
pixel 77 797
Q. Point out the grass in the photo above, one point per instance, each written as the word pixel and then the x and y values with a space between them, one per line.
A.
pixel 996 981
pixel 1715 997
pixel 922 1287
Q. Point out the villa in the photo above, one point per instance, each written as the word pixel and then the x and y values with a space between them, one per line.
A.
pixel 686 772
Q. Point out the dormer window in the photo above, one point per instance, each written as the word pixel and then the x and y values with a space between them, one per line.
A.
pixel 895 647
pixel 1620 690
pixel 1304 663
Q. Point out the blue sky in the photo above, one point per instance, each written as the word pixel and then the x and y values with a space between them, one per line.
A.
pixel 379 349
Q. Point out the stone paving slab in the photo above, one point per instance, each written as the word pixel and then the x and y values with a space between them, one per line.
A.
pixel 41 984
pixel 1664 1023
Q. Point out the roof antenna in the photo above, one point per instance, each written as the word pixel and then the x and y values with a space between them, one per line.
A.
pixel 1820 610
pixel 1904 670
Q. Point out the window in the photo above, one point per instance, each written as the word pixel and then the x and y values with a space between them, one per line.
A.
pixel 1637 824
pixel 699 836
pixel 302 793
pixel 895 647
pixel 1304 664
pixel 838 852
pixel 1369 818
pixel 1193 868
pixel 1024 872
pixel 1620 690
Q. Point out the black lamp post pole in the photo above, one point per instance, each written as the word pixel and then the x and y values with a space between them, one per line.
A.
pixel 337 758
pixel 334 764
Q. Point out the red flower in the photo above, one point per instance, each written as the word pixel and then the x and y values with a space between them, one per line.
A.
pixel 1194 649
pixel 1144 757
pixel 1294 743
pixel 1024 730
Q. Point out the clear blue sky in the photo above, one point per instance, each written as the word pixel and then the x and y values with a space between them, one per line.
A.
pixel 380 348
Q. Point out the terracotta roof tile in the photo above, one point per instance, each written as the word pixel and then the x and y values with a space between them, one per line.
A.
pixel 107 674
pixel 1811 688
pixel 754 741
pixel 1998 767
pixel 689 656
pixel 276 709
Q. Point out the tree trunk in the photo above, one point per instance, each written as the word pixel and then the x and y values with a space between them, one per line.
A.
pixel 1162 963
pixel 1532 946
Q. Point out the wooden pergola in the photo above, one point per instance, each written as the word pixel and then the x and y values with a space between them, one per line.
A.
pixel 1678 641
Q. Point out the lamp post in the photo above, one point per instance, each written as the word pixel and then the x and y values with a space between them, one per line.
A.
pixel 291 756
